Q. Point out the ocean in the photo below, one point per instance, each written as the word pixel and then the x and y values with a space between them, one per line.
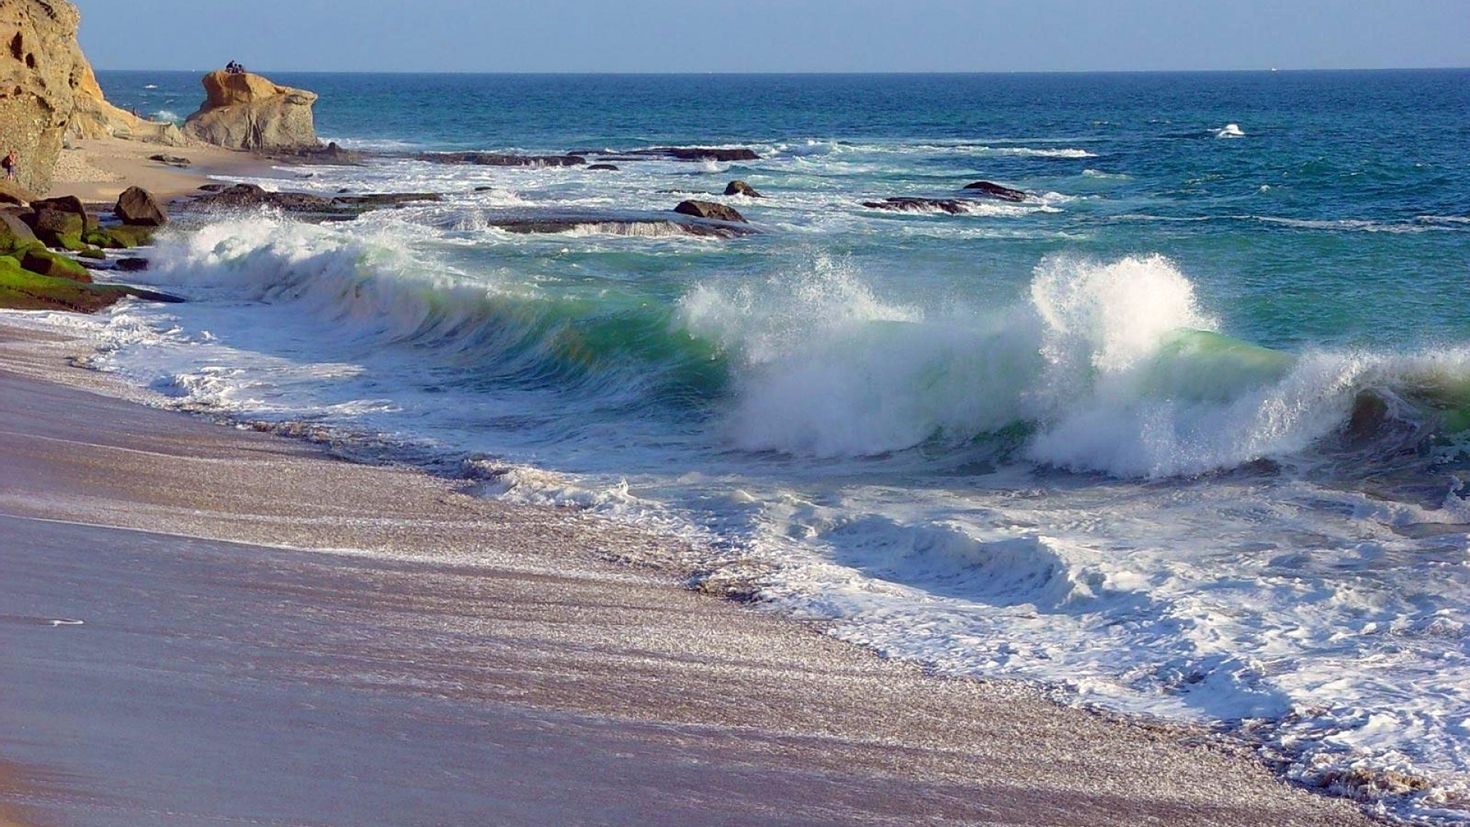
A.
pixel 1181 434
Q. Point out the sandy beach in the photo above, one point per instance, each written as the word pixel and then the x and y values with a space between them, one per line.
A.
pixel 205 624
pixel 97 170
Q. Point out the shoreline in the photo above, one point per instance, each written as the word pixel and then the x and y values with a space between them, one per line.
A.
pixel 228 502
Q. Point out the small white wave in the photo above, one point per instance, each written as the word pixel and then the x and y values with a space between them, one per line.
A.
pixel 1230 130
pixel 165 116
pixel 1032 152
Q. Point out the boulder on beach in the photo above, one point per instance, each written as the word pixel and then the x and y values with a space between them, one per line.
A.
pixel 993 190
pixel 709 210
pixel 171 160
pixel 14 231
pixel 137 206
pixel 247 111
pixel 738 187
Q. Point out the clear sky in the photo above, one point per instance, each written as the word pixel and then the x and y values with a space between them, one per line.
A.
pixel 775 35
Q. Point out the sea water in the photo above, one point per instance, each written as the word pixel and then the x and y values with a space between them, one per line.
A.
pixel 1179 434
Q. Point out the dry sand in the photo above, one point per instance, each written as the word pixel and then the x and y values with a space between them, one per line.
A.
pixel 273 636
pixel 98 170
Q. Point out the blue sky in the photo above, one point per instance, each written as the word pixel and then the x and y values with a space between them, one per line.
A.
pixel 771 36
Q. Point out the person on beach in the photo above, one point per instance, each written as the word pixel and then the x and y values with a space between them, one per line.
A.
pixel 11 161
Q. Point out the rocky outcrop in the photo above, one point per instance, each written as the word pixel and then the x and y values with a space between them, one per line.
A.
pixel 93 117
pixel 922 205
pixel 738 187
pixel 700 153
pixel 38 65
pixel 138 207
pixel 247 111
pixel 48 92
pixel 500 159
pixel 250 196
pixel 993 190
pixel 709 210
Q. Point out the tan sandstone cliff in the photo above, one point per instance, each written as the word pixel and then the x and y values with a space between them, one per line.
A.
pixel 246 111
pixel 48 90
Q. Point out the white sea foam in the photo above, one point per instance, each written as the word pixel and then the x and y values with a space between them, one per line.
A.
pixel 1230 130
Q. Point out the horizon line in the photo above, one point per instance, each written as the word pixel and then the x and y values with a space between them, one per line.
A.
pixel 814 72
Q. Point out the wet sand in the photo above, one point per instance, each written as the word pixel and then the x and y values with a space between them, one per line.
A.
pixel 274 636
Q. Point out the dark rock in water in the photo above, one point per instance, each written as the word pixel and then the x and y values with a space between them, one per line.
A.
pixel 146 295
pixel 484 189
pixel 948 205
pixel 330 155
pixel 343 190
pixel 496 159
pixel 386 199
pixel 244 196
pixel 993 190
pixel 132 265
pixel 1370 413
pixel 700 153
pixel 678 153
pixel 172 160
pixel 627 226
pixel 609 167
pixel 138 207
pixel 213 187
pixel 251 195
pixel 738 187
pixel 709 210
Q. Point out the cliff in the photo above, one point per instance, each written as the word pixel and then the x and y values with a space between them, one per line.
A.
pixel 48 90
pixel 246 111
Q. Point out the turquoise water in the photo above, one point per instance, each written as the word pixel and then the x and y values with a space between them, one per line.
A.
pixel 1178 434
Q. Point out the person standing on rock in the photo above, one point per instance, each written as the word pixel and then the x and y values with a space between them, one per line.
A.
pixel 11 161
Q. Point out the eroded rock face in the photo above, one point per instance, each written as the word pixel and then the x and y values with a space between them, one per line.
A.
pixel 49 93
pixel 246 111
pixel 39 67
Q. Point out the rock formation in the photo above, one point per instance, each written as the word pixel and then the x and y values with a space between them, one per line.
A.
pixel 138 207
pixel 93 117
pixel 709 210
pixel 994 190
pixel 48 91
pixel 246 111
pixel 738 187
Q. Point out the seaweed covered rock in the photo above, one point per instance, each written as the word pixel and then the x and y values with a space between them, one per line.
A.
pixel 46 263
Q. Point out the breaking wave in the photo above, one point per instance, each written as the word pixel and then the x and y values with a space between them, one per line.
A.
pixel 1104 366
